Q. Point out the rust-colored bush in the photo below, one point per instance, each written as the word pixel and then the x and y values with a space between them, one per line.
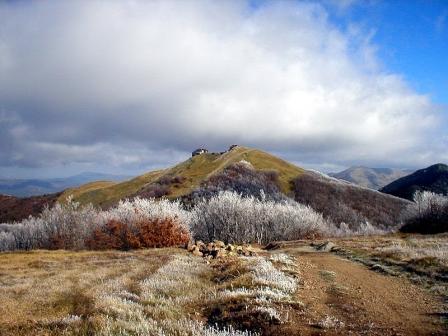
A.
pixel 114 235
pixel 162 233
pixel 146 233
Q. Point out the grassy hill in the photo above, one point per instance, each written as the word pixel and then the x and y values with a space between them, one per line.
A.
pixel 188 176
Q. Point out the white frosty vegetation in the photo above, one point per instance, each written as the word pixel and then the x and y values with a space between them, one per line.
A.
pixel 158 309
pixel 227 216
pixel 428 213
pixel 232 218
pixel 269 285
pixel 73 225
pixel 427 203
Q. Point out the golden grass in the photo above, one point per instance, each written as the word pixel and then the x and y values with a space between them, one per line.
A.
pixel 109 195
pixel 39 289
pixel 195 170
pixel 141 292
pixel 78 191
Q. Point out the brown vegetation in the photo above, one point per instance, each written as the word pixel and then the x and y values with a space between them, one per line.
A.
pixel 145 233
pixel 348 203
pixel 15 209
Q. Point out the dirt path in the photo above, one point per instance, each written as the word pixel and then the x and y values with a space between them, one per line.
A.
pixel 342 297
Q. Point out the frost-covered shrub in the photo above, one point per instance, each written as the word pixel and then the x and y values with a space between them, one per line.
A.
pixel 63 226
pixel 69 226
pixel 362 229
pixel 7 241
pixel 428 214
pixel 138 209
pixel 232 218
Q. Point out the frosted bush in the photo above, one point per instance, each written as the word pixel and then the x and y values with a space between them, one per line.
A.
pixel 363 229
pixel 7 241
pixel 138 209
pixel 428 213
pixel 233 218
pixel 63 226
pixel 70 226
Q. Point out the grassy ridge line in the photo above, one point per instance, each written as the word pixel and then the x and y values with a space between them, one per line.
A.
pixel 77 191
pixel 109 195
pixel 195 170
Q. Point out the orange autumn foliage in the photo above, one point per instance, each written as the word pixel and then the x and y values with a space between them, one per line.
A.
pixel 143 234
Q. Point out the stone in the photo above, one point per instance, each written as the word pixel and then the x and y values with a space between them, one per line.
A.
pixel 196 251
pixel 326 247
pixel 218 253
pixel 230 248
pixel 190 247
pixel 219 243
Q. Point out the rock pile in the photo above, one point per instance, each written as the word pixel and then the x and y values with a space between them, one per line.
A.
pixel 218 249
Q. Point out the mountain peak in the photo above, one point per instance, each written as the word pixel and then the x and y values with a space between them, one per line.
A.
pixel 373 178
pixel 433 178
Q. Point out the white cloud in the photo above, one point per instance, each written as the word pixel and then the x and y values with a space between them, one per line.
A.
pixel 91 78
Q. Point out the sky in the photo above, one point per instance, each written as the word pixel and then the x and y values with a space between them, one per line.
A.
pixel 130 86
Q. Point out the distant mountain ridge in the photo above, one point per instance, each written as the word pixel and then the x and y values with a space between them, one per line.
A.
pixel 36 187
pixel 373 178
pixel 433 178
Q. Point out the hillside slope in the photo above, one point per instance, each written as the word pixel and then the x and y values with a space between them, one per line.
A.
pixel 15 209
pixel 185 177
pixel 342 201
pixel 433 178
pixel 373 178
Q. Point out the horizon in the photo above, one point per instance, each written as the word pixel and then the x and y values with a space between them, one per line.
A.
pixel 125 87
pixel 327 171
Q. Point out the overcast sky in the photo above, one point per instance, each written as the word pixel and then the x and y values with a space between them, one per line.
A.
pixel 127 86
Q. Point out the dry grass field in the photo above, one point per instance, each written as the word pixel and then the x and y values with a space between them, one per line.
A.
pixel 292 290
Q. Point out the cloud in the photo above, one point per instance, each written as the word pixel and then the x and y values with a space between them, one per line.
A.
pixel 127 82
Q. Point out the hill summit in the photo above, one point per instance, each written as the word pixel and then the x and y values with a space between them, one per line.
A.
pixel 433 178
pixel 184 178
